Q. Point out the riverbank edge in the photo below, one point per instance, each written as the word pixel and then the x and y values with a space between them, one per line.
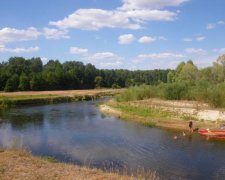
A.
pixel 173 121
pixel 20 164
pixel 8 100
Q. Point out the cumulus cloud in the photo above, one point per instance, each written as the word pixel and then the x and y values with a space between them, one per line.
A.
pixel 200 38
pixel 162 38
pixel 95 19
pixel 146 39
pixel 105 59
pixel 220 51
pixel 8 35
pixel 78 51
pixel 131 15
pixel 3 49
pixel 164 55
pixel 198 51
pixel 214 25
pixel 221 22
pixel 151 4
pixel 210 26
pixel 101 59
pixel 126 39
pixel 51 33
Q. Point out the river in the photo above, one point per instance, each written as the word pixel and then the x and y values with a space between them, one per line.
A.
pixel 78 133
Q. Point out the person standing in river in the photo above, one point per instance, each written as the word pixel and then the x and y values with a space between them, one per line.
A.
pixel 190 126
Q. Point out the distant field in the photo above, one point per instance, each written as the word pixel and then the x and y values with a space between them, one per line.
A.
pixel 61 93
pixel 8 99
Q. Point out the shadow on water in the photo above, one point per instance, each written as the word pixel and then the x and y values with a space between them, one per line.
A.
pixel 22 121
pixel 78 133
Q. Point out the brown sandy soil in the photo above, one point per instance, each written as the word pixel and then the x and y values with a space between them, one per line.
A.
pixel 21 165
pixel 62 93
pixel 198 110
pixel 176 122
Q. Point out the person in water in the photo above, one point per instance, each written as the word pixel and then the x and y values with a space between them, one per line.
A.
pixel 191 126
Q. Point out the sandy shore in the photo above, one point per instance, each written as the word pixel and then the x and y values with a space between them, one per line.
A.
pixel 182 112
pixel 198 110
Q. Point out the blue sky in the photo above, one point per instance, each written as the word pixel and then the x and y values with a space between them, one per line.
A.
pixel 131 34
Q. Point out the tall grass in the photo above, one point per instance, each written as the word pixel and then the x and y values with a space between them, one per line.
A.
pixel 201 91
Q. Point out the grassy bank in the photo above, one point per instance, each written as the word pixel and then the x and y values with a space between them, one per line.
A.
pixel 154 112
pixel 212 94
pixel 17 164
pixel 48 97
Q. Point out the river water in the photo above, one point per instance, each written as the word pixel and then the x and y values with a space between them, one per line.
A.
pixel 78 133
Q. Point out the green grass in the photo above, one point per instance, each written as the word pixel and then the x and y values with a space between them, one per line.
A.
pixel 145 112
pixel 145 116
pixel 213 94
pixel 49 159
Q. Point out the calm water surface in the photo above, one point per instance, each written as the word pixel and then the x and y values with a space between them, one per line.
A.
pixel 79 133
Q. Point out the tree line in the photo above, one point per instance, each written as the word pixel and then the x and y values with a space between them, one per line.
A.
pixel 186 82
pixel 20 74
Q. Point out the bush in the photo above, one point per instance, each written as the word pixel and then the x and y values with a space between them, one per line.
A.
pixel 138 93
pixel 176 91
pixel 217 95
pixel 116 86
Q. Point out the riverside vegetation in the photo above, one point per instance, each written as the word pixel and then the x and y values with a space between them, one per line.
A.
pixel 11 99
pixel 187 82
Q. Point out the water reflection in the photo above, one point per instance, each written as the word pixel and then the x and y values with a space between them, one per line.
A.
pixel 79 133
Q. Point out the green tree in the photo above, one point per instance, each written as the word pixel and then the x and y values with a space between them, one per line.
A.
pixel 24 82
pixel 12 83
pixel 98 81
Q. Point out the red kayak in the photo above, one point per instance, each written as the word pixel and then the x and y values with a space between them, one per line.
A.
pixel 212 133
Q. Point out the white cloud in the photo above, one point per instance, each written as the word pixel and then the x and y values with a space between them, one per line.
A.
pixel 214 25
pixel 104 59
pixel 151 4
pixel 221 22
pixel 196 51
pixel 165 55
pixel 144 15
pixel 8 35
pixel 100 59
pixel 44 60
pixel 220 51
pixel 200 38
pixel 95 19
pixel 210 26
pixel 146 39
pixel 3 49
pixel 188 39
pixel 126 39
pixel 162 38
pixel 51 33
pixel 78 51
pixel 131 15
pixel 106 56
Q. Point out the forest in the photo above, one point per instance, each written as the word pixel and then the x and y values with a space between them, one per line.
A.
pixel 20 74
pixel 186 82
